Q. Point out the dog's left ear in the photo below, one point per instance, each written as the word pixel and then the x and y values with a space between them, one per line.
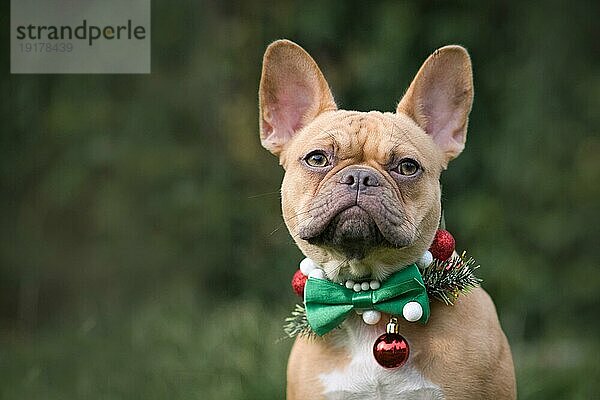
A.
pixel 440 98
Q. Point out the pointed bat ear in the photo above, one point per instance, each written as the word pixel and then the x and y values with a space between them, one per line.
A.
pixel 292 93
pixel 440 97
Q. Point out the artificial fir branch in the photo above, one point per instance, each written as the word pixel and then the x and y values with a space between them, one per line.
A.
pixel 444 281
pixel 297 324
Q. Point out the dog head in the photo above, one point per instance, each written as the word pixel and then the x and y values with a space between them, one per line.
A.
pixel 361 192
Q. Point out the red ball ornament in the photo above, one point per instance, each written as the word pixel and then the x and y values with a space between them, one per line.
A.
pixel 298 283
pixel 391 350
pixel 443 245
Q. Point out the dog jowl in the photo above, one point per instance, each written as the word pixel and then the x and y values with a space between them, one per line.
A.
pixel 361 198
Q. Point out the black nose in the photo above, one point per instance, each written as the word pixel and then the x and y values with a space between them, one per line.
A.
pixel 359 178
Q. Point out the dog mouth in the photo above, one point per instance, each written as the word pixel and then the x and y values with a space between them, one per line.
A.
pixel 353 231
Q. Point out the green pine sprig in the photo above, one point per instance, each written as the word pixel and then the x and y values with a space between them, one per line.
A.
pixel 446 280
pixel 297 324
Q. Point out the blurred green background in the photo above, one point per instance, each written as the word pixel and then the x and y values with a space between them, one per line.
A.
pixel 143 254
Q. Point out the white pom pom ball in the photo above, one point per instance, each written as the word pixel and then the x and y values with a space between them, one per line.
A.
pixel 425 260
pixel 306 266
pixel 365 286
pixel 349 284
pixel 374 285
pixel 317 273
pixel 412 311
pixel 371 317
pixel 356 287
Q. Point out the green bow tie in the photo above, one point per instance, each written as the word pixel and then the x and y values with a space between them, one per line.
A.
pixel 328 304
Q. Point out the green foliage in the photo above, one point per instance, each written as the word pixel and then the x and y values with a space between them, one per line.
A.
pixel 122 192
pixel 177 346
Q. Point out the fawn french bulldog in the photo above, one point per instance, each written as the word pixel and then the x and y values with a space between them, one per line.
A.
pixel 361 197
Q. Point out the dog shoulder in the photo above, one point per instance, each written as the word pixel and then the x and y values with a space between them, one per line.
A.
pixel 468 344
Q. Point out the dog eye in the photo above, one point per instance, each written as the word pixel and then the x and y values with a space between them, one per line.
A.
pixel 408 167
pixel 316 159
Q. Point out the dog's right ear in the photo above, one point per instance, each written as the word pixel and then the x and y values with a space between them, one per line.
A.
pixel 292 93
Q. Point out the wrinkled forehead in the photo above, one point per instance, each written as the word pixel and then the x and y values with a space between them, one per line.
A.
pixel 373 135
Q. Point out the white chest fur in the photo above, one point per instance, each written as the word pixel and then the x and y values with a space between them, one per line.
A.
pixel 363 378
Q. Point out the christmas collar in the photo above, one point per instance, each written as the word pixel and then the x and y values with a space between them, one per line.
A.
pixel 438 274
pixel 329 304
